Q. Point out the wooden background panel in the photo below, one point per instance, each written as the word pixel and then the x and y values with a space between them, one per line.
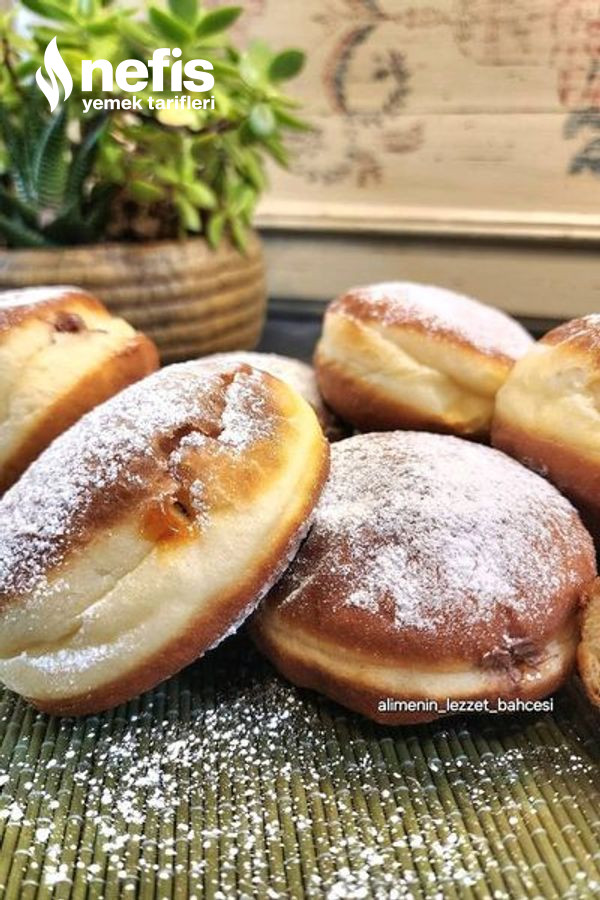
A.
pixel 545 280
pixel 451 114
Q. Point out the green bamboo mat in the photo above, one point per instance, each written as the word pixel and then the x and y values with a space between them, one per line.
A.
pixel 226 782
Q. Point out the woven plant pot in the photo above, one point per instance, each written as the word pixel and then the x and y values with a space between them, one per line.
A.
pixel 189 299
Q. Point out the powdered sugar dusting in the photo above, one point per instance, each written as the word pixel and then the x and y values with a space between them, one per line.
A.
pixel 294 372
pixel 229 782
pixel 591 319
pixel 442 312
pixel 426 532
pixel 584 331
pixel 31 296
pixel 245 414
pixel 108 459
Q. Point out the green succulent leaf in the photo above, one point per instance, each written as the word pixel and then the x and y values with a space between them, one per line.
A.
pixel 168 173
pixel 104 26
pixel 190 217
pixel 217 20
pixel 167 26
pixel 224 103
pixel 262 120
pixel 252 169
pixel 243 199
pixel 71 177
pixel 19 155
pixel 19 235
pixel 17 207
pixel 86 8
pixel 81 165
pixel 286 65
pixel 26 68
pixel 222 69
pixel 239 233
pixel 145 191
pixel 99 208
pixel 215 228
pixel 186 10
pixel 49 10
pixel 50 168
pixel 292 122
pixel 134 33
pixel 277 151
pixel 201 195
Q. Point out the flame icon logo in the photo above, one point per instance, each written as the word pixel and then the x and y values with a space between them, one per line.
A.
pixel 56 69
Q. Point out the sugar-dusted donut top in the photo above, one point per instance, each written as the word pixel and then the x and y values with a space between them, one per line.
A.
pixel 32 295
pixel 581 334
pixel 294 372
pixel 439 312
pixel 435 547
pixel 19 305
pixel 186 438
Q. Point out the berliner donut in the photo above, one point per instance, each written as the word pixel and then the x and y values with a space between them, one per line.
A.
pixel 588 652
pixel 404 355
pixel 298 375
pixel 61 353
pixel 148 531
pixel 548 413
pixel 436 570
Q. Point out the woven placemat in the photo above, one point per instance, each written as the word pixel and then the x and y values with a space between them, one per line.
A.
pixel 227 782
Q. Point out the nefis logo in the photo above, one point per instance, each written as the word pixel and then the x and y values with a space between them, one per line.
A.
pixel 130 75
pixel 56 69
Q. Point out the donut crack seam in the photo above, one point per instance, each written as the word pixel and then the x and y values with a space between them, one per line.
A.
pixel 395 342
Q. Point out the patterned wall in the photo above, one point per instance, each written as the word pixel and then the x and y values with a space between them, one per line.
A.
pixel 464 113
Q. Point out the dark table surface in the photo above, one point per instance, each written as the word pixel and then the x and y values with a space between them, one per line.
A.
pixel 292 328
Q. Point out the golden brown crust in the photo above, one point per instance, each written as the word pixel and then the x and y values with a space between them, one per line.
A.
pixel 16 307
pixel 202 633
pixel 369 409
pixel 435 558
pixel 130 535
pixel 366 699
pixel 546 414
pixel 412 356
pixel 136 359
pixel 581 334
pixel 373 634
pixel 334 562
pixel 42 393
pixel 138 471
pixel 298 374
pixel 569 469
pixel 588 651
pixel 441 649
pixel 398 304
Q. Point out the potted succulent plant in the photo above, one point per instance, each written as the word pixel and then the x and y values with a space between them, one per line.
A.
pixel 149 208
